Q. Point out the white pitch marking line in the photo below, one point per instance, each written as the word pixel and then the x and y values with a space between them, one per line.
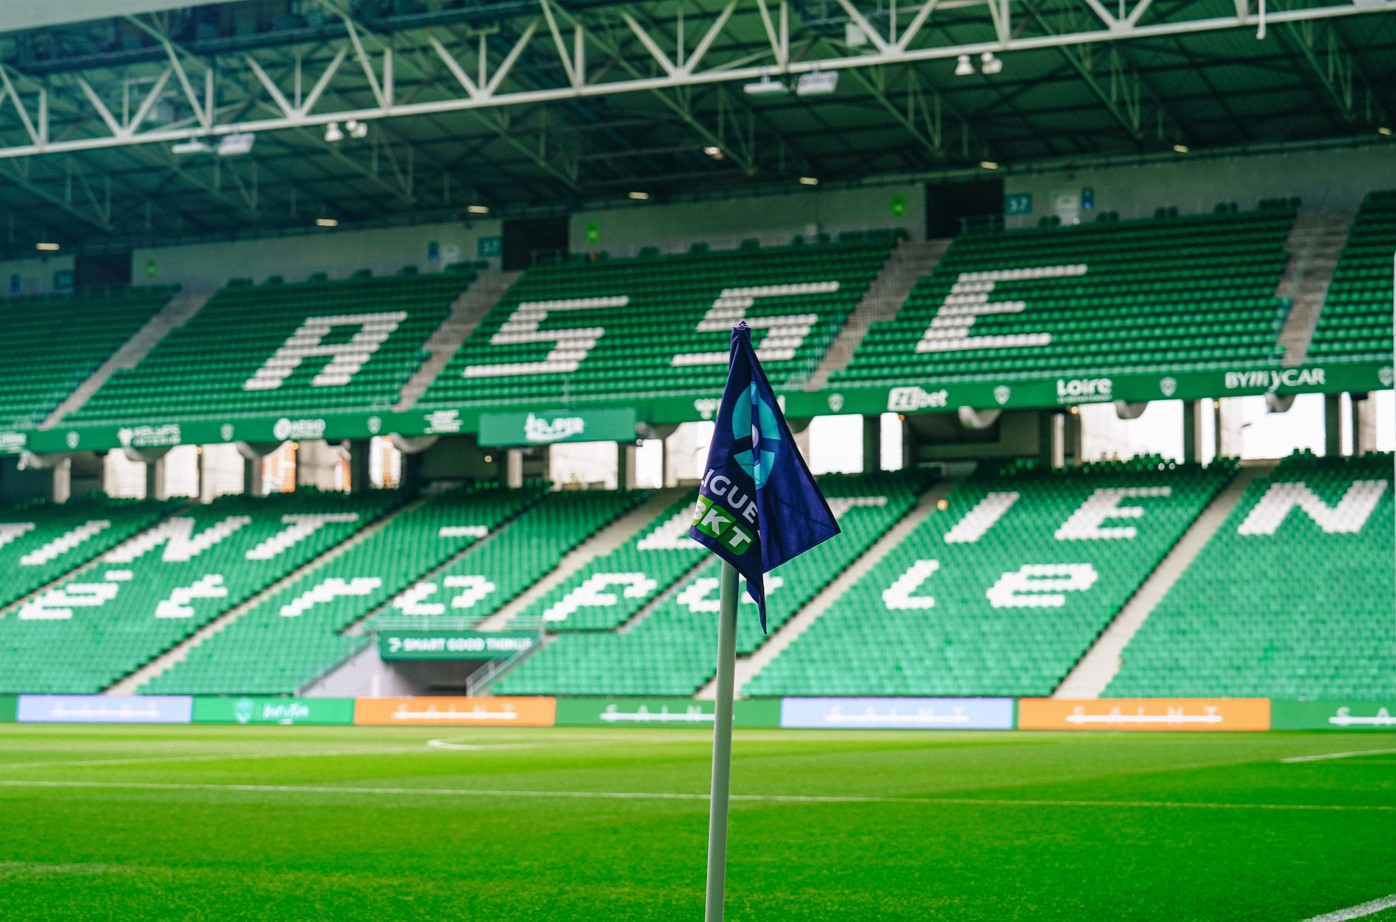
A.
pixel 670 795
pixel 1357 912
pixel 1340 755
pixel 476 747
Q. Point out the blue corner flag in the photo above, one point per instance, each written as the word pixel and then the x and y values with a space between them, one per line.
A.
pixel 758 505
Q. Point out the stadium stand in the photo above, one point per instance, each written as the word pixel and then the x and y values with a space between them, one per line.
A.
pixel 40 541
pixel 53 342
pixel 668 650
pixel 1001 593
pixel 659 323
pixel 1356 318
pixel 272 349
pixel 1110 296
pixel 155 589
pixel 611 589
pixel 295 635
pixel 1291 599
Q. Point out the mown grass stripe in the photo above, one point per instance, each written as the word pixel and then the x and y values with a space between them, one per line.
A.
pixel 675 795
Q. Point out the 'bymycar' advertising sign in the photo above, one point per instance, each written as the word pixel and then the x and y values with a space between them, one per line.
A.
pixel 286 711
pixel 102 709
pixel 898 713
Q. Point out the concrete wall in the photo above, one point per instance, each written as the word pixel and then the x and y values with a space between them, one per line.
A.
pixel 1191 183
pixel 33 275
pixel 773 219
pixel 337 251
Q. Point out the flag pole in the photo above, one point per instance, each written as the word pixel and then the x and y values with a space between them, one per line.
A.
pixel 722 743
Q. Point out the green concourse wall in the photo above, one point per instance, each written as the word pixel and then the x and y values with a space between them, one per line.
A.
pixel 261 710
pixel 609 415
pixel 8 705
pixel 1333 715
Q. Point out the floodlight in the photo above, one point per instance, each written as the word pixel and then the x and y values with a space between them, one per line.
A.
pixel 713 151
pixel 235 145
pixel 326 222
pixel 988 64
pixel 478 209
pixel 639 196
pixel 1181 148
pixel 988 165
pixel 1384 131
pixel 766 87
pixel 817 83
pixel 809 180
pixel 963 66
pixel 332 133
pixel 47 247
pixel 356 128
pixel 191 146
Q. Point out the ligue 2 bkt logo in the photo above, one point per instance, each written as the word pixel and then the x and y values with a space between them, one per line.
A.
pixel 764 432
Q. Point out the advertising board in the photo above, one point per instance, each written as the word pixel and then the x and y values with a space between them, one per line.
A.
pixel 104 709
pixel 455 712
pixel 898 713
pixel 266 710
pixel 1144 714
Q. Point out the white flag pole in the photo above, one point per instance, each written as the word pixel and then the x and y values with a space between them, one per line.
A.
pixel 722 743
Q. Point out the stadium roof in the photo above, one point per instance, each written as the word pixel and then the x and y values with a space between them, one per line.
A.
pixel 135 129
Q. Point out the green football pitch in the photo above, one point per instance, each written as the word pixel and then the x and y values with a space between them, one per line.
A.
pixel 611 824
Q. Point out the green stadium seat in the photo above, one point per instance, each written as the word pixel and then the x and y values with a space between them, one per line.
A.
pixel 1107 297
pixel 275 349
pixel 1291 598
pixel 1001 593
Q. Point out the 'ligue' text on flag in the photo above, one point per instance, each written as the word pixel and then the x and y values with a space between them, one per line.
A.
pixel 758 505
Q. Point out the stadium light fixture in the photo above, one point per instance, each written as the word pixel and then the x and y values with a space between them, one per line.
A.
pixel 47 247
pixel 478 209
pixel 1384 131
pixel 963 66
pixel 809 180
pixel 333 134
pixel 639 196
pixel 1181 148
pixel 235 145
pixel 191 146
pixel 765 87
pixel 817 83
pixel 713 151
pixel 326 222
pixel 356 128
pixel 988 165
pixel 989 64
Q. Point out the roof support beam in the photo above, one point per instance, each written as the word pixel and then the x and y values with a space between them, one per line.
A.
pixel 566 47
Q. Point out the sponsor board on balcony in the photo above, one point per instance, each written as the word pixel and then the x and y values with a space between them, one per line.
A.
pixel 547 427
pixel 453 645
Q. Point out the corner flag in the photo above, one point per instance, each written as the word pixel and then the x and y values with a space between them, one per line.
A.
pixel 758 505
